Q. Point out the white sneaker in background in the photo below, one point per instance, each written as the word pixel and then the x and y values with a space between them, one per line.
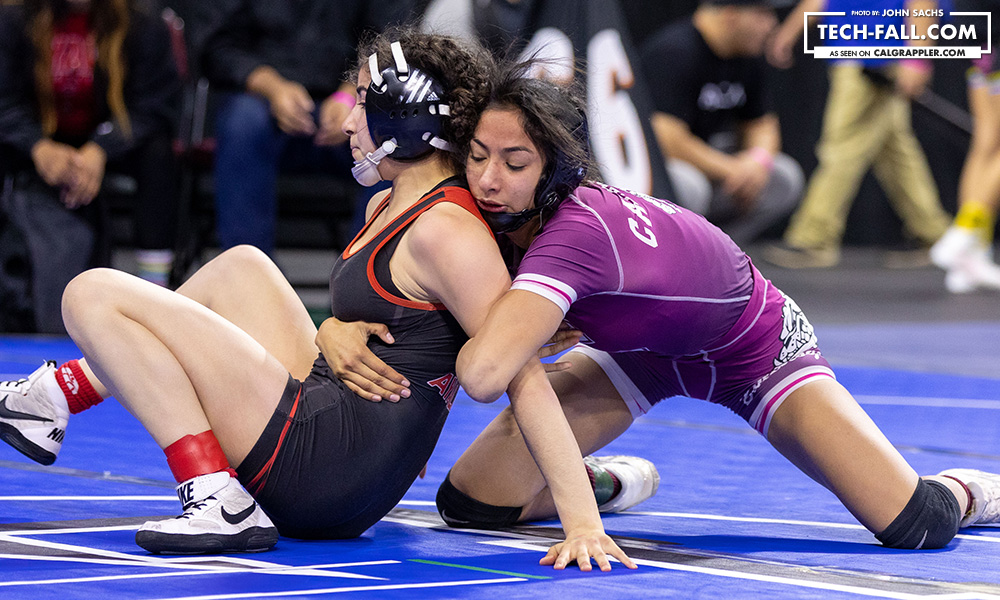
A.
pixel 975 271
pixel 955 244
pixel 968 261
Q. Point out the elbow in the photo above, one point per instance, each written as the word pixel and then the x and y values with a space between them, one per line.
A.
pixel 480 380
pixel 480 386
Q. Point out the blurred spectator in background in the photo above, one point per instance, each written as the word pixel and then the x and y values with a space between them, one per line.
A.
pixel 866 125
pixel 716 120
pixel 86 86
pixel 282 65
pixel 966 249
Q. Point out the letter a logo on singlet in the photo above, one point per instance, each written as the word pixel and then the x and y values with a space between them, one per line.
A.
pixel 447 386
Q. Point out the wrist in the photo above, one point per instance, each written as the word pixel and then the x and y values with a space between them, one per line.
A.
pixel 94 149
pixel 264 81
pixel 345 98
pixel 762 157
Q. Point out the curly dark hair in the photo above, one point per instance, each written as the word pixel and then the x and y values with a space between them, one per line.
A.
pixel 463 67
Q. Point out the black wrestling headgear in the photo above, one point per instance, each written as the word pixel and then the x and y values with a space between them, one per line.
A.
pixel 406 105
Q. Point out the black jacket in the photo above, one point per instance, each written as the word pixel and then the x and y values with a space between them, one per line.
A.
pixel 312 42
pixel 152 87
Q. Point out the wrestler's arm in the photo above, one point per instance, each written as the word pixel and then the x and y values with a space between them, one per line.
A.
pixel 460 265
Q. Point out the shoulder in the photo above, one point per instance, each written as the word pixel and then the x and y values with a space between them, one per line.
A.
pixel 374 202
pixel 581 220
pixel 586 204
pixel 449 227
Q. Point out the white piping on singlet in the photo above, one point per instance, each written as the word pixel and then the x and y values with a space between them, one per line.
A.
pixel 611 239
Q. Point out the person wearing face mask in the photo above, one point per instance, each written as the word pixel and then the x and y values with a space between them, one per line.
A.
pixel 262 436
pixel 667 305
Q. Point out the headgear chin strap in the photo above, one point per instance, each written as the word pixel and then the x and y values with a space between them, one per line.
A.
pixel 503 222
pixel 365 171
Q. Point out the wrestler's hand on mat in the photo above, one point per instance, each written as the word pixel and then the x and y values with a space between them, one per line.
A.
pixel 345 347
pixel 581 547
pixel 563 339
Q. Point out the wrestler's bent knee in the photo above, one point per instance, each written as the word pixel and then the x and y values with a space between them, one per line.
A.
pixel 460 510
pixel 929 520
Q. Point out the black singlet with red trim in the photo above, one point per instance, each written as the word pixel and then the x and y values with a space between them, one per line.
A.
pixel 427 337
pixel 330 464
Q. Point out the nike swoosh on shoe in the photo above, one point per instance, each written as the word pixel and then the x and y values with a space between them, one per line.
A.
pixel 236 519
pixel 6 413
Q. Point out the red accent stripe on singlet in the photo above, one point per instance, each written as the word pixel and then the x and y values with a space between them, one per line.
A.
pixel 257 483
pixel 347 253
pixel 463 200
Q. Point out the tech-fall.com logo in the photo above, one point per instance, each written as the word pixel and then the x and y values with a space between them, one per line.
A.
pixel 898 34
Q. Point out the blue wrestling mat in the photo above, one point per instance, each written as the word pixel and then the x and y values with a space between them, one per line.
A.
pixel 732 518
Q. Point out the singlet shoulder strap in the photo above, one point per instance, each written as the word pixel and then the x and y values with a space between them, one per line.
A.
pixel 451 190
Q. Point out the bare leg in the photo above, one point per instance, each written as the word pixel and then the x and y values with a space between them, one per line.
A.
pixel 179 367
pixel 246 288
pixel 981 174
pixel 821 429
pixel 497 467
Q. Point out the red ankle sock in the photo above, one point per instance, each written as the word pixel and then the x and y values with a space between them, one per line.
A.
pixel 195 455
pixel 80 394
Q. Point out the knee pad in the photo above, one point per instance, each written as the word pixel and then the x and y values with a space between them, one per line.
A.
pixel 459 510
pixel 930 519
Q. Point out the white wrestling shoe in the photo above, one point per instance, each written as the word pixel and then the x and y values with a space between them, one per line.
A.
pixel 219 516
pixel 33 414
pixel 638 476
pixel 985 490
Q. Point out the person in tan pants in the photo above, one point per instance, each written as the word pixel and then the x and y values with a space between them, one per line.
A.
pixel 866 125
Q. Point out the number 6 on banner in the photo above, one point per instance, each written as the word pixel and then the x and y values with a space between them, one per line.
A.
pixel 615 128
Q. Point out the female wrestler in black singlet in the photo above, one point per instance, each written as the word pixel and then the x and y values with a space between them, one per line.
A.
pixel 318 484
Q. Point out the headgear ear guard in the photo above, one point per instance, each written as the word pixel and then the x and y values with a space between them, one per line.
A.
pixel 563 174
pixel 406 105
